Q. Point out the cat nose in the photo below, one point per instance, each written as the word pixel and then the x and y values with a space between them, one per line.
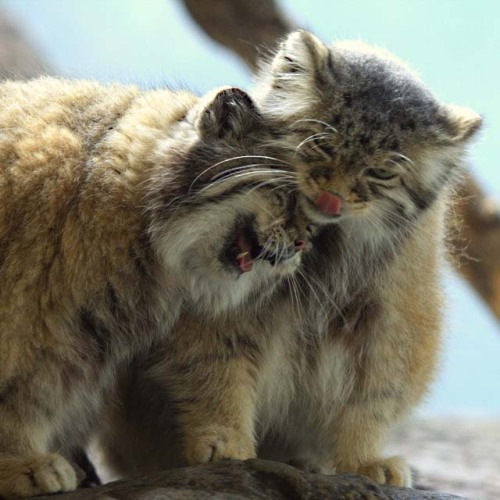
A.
pixel 300 245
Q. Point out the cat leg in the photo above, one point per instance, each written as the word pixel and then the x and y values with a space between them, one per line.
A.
pixel 392 355
pixel 359 436
pixel 215 405
pixel 26 466
pixel 218 417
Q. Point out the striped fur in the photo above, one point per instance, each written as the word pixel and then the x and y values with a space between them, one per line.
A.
pixel 319 373
pixel 118 207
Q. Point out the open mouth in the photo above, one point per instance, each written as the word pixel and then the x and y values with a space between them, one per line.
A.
pixel 243 247
pixel 248 250
pixel 244 250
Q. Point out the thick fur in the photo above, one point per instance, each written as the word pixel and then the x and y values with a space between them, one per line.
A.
pixel 344 349
pixel 117 207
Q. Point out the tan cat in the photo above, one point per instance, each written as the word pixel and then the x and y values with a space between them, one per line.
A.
pixel 346 348
pixel 117 206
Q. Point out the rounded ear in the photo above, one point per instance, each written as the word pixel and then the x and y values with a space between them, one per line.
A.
pixel 300 53
pixel 461 123
pixel 296 77
pixel 230 114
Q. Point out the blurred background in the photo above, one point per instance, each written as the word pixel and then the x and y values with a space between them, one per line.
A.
pixel 454 45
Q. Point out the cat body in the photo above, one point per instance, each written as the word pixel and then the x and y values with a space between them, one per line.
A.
pixel 304 381
pixel 350 343
pixel 377 157
pixel 118 205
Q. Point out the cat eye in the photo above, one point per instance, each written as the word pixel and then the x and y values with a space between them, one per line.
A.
pixel 380 173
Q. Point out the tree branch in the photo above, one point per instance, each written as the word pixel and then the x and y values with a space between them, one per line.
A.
pixel 476 245
pixel 18 59
pixel 243 26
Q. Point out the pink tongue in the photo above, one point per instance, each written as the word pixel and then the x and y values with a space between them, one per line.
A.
pixel 329 204
pixel 245 262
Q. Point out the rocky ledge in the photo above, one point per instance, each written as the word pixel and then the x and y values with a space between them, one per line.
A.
pixel 255 479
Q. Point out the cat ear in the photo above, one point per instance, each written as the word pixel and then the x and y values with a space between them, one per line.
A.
pixel 229 115
pixel 301 53
pixel 461 124
pixel 297 73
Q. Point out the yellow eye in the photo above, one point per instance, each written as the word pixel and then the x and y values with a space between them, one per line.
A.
pixel 380 173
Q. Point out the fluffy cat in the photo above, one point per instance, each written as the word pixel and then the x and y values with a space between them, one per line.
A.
pixel 117 206
pixel 346 348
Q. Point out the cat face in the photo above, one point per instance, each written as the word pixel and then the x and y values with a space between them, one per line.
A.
pixel 234 227
pixel 370 143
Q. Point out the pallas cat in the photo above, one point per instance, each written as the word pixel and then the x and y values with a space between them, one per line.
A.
pixel 349 344
pixel 117 205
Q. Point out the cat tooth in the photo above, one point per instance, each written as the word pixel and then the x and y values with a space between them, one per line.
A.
pixel 242 255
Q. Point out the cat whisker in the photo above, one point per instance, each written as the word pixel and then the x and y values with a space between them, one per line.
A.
pixel 280 184
pixel 251 167
pixel 399 222
pixel 267 183
pixel 289 184
pixel 314 137
pixel 312 120
pixel 321 303
pixel 402 157
pixel 272 224
pixel 282 251
pixel 241 176
pixel 228 172
pixel 326 294
pixel 295 296
pixel 234 158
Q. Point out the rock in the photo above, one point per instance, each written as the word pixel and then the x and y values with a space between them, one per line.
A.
pixel 234 480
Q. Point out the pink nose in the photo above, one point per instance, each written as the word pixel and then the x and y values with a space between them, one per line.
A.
pixel 329 204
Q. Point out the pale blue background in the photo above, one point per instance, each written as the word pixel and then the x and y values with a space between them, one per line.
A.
pixel 454 44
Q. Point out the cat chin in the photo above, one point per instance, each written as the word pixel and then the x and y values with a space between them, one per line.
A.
pixel 214 284
pixel 228 289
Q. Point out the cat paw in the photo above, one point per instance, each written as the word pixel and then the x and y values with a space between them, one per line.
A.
pixel 393 471
pixel 35 475
pixel 218 443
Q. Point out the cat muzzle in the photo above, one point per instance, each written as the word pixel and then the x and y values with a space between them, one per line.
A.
pixel 245 250
pixel 283 253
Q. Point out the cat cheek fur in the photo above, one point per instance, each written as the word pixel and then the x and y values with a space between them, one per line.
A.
pixel 194 252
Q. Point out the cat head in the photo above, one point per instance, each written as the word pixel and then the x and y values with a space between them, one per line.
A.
pixel 232 226
pixel 370 142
